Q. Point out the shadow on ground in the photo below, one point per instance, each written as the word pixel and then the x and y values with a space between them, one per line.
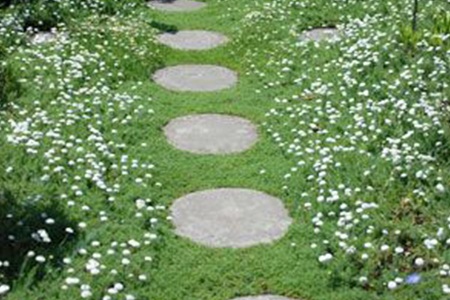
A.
pixel 31 226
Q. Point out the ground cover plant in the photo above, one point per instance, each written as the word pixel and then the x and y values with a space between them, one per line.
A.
pixel 354 137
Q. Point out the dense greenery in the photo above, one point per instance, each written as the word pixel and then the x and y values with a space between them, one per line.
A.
pixel 354 137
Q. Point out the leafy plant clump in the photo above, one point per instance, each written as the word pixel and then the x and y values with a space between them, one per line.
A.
pixel 362 123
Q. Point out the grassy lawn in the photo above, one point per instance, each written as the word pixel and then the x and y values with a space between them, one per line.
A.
pixel 353 138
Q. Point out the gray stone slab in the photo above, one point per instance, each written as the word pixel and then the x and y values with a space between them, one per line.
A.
pixel 42 38
pixel 193 39
pixel 230 217
pixel 176 5
pixel 195 78
pixel 321 34
pixel 264 297
pixel 211 134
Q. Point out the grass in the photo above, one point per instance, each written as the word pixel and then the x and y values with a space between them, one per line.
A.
pixel 96 84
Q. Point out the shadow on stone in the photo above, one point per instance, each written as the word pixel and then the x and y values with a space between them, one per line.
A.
pixel 30 229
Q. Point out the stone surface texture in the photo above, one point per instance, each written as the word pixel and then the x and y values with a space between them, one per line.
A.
pixel 43 37
pixel 211 134
pixel 176 5
pixel 230 217
pixel 195 78
pixel 321 34
pixel 192 39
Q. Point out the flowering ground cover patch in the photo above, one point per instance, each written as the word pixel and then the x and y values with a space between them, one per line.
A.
pixel 353 137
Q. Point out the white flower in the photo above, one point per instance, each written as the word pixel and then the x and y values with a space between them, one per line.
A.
pixel 67 260
pixel 134 243
pixel 419 262
pixel 40 259
pixel 93 266
pixel 430 243
pixel 399 250
pixel 86 294
pixel 440 188
pixel 118 286
pixel 384 248
pixel 4 289
pixel 72 280
pixel 325 258
pixel 392 285
pixel 140 204
pixel 142 277
pixel 41 236
pixel 446 289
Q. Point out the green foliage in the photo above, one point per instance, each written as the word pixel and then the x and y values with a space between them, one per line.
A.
pixel 9 87
pixel 441 22
pixel 410 38
pixel 21 221
pixel 99 81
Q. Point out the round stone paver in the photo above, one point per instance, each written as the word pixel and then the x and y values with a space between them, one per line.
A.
pixel 211 134
pixel 264 297
pixel 195 78
pixel 230 217
pixel 176 5
pixel 42 38
pixel 193 39
pixel 321 34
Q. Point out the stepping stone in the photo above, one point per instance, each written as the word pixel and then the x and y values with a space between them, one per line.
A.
pixel 211 134
pixel 321 34
pixel 230 217
pixel 42 38
pixel 192 39
pixel 265 297
pixel 195 78
pixel 176 5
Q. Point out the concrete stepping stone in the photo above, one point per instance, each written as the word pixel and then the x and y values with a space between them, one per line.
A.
pixel 321 34
pixel 264 297
pixel 211 134
pixel 176 5
pixel 195 78
pixel 230 217
pixel 193 39
pixel 43 37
